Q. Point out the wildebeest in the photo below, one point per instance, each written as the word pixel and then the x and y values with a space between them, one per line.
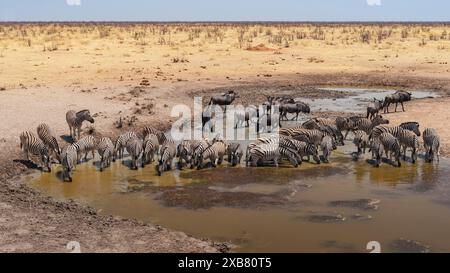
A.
pixel 224 99
pixel 397 97
pixel 374 108
pixel 297 108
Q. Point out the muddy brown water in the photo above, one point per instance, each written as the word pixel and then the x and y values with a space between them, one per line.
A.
pixel 335 207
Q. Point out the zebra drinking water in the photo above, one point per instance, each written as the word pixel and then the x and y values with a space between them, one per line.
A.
pixel 135 150
pixel 151 147
pixel 121 143
pixel 45 134
pixel 167 154
pixel 432 143
pixel 69 158
pixel 85 145
pixel 30 144
pixel 105 149
pixel 391 147
pixel 408 139
pixel 214 153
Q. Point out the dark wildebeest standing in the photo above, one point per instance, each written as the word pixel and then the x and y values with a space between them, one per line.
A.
pixel 297 108
pixel 397 97
pixel 224 99
pixel 374 108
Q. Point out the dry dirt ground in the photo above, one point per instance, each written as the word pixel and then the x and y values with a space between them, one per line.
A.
pixel 119 72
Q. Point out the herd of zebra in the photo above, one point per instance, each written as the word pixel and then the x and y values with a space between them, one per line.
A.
pixel 292 144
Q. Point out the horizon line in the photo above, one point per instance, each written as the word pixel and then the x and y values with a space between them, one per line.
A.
pixel 227 22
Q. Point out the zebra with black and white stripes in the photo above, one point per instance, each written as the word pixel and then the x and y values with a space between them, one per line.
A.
pixel 409 139
pixel 45 134
pixel 290 154
pixel 377 149
pixel 121 143
pixel 85 145
pixel 306 150
pixel 185 151
pixel 396 130
pixel 198 149
pixel 147 130
pixel 344 124
pixel 214 153
pixel 69 158
pixel 412 126
pixel 167 154
pixel 311 136
pixel 30 144
pixel 264 152
pixel 361 141
pixel 327 147
pixel 151 147
pixel 367 125
pixel 75 121
pixel 235 153
pixel 105 149
pixel 391 147
pixel 135 150
pixel 432 143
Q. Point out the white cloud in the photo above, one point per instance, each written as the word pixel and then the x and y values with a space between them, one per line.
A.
pixel 374 2
pixel 77 2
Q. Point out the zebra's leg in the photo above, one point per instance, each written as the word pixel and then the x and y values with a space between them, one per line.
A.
pixel 101 163
pixel 93 157
pixel 404 153
pixel 414 155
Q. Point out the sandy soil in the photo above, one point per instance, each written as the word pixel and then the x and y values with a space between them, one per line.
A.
pixel 141 72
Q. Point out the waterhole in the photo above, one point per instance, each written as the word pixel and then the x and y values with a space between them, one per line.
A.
pixel 335 207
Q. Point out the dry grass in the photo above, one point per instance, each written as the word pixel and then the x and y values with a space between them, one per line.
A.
pixel 111 51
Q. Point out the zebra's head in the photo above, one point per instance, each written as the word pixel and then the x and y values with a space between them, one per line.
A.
pixel 85 115
pixel 47 160
pixel 312 150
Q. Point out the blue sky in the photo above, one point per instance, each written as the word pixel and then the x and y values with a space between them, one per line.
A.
pixel 225 10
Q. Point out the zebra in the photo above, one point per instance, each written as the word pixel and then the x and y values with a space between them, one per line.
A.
pixel 432 143
pixel 305 149
pixel 151 147
pixel 30 144
pixel 152 130
pixel 411 126
pixel 367 125
pixel 69 158
pixel 327 147
pixel 374 108
pixel 214 153
pixel 167 154
pixel 290 154
pixel 235 153
pixel 75 121
pixel 327 126
pixel 344 124
pixel 185 151
pixel 262 153
pixel 361 141
pixel 105 149
pixel 198 149
pixel 408 139
pixel 312 136
pixel 121 143
pixel 135 150
pixel 85 145
pixel 45 134
pixel 376 148
pixel 391 147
